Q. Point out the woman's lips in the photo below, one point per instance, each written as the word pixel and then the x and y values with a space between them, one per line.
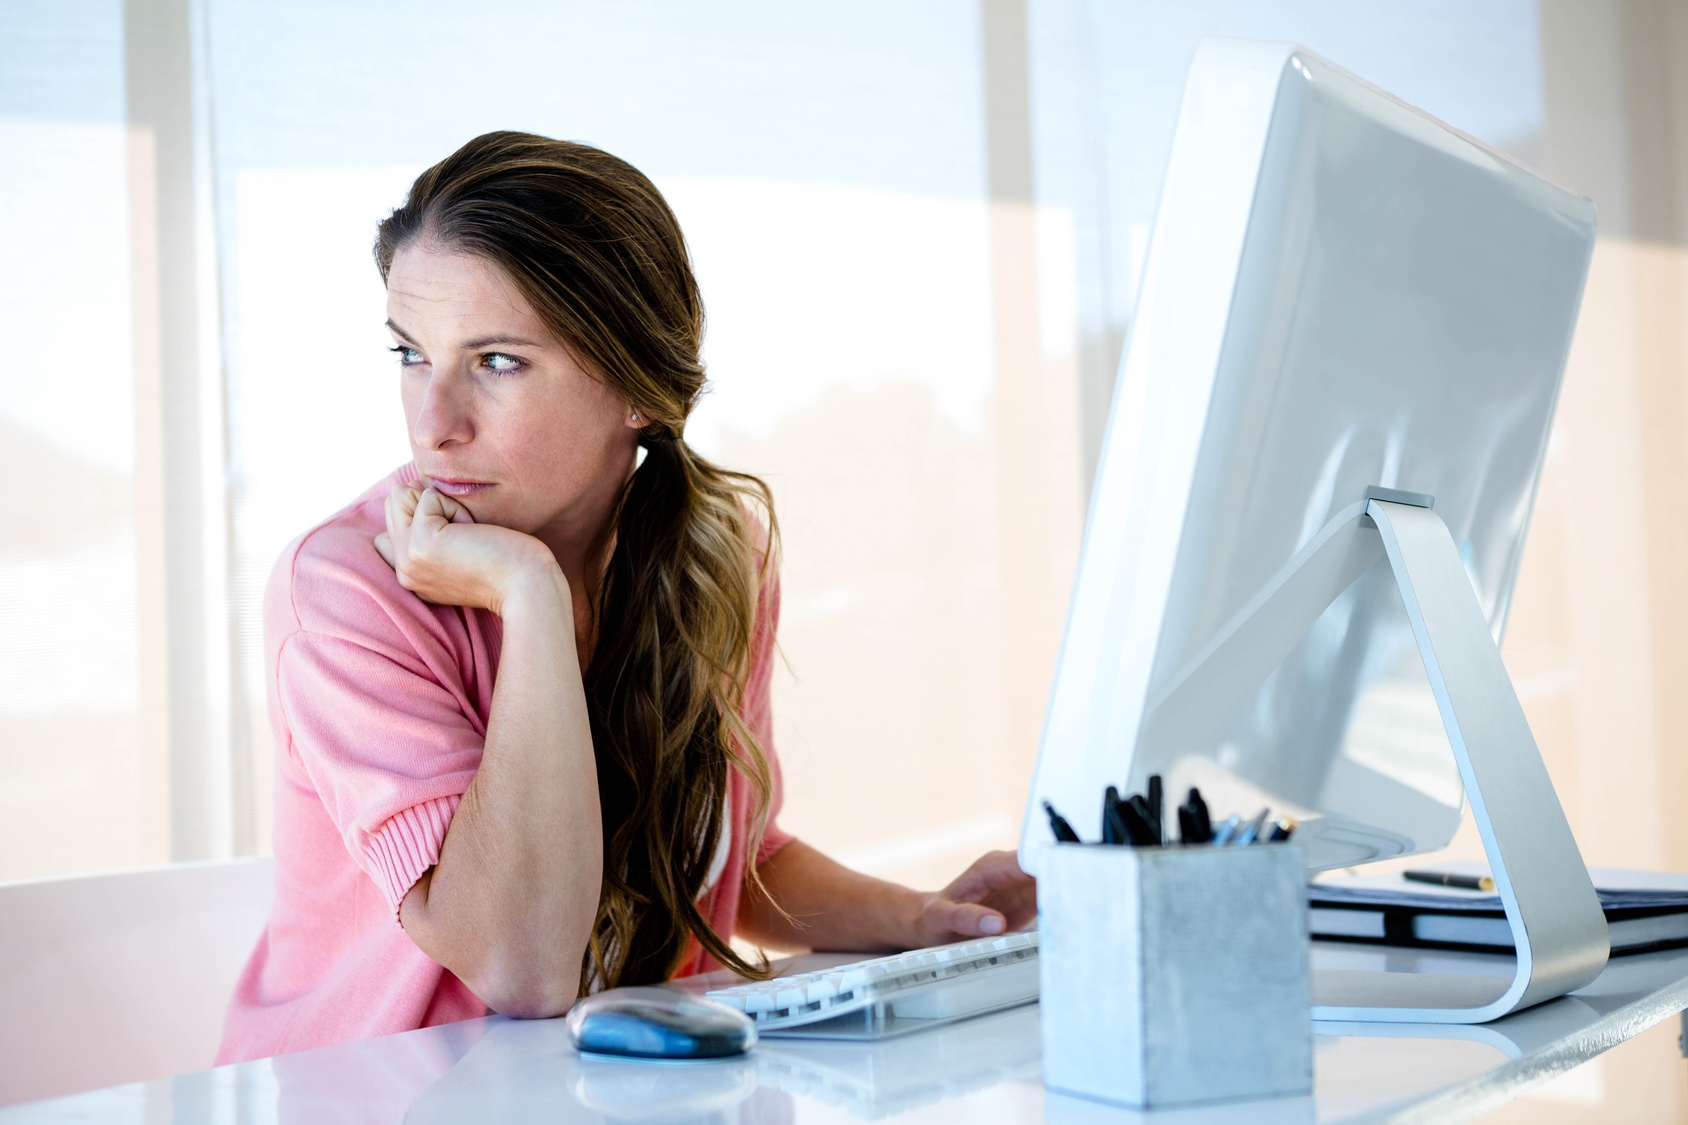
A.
pixel 459 488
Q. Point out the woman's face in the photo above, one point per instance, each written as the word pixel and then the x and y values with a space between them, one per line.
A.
pixel 502 417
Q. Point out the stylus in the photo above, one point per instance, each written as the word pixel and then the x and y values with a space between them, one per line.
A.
pixel 1449 879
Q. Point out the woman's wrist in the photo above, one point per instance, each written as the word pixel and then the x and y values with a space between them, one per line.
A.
pixel 888 914
pixel 911 914
pixel 535 588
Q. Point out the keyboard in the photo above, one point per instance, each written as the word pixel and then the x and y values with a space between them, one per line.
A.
pixel 889 995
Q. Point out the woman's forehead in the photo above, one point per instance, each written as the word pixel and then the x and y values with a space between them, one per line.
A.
pixel 461 297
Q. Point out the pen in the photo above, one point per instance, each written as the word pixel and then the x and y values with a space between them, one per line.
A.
pixel 1282 830
pixel 1157 807
pixel 1250 831
pixel 1449 879
pixel 1114 830
pixel 1223 834
pixel 1187 826
pixel 1139 832
pixel 1058 825
pixel 1199 815
pixel 1149 826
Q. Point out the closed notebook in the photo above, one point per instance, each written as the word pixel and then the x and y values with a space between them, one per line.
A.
pixel 1645 910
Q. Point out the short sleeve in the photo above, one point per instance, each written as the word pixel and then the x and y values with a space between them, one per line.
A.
pixel 758 711
pixel 388 749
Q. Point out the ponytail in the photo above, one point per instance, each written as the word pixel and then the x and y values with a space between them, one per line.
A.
pixel 665 687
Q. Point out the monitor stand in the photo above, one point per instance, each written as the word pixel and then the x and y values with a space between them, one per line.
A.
pixel 1557 925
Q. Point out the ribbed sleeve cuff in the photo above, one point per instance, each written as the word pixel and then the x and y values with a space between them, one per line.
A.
pixel 407 845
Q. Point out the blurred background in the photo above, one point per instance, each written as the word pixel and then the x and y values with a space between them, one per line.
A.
pixel 919 229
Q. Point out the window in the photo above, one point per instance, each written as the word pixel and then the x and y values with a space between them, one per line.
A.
pixel 918 229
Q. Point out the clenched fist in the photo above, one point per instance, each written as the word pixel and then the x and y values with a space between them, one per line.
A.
pixel 443 556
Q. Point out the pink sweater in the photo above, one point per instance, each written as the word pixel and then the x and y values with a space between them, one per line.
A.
pixel 379 704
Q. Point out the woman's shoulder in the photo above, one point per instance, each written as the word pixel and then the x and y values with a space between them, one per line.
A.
pixel 331 578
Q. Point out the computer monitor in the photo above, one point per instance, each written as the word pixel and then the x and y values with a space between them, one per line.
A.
pixel 1345 303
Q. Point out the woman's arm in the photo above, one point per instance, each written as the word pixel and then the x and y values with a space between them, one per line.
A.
pixel 510 904
pixel 829 907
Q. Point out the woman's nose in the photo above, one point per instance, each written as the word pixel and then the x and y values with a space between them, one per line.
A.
pixel 443 418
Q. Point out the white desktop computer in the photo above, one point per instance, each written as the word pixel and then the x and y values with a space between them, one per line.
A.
pixel 1324 445
pixel 1307 520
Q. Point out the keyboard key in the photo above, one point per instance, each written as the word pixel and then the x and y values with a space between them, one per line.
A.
pixel 974 967
pixel 854 977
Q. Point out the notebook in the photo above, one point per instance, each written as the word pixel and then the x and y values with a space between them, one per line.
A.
pixel 1645 910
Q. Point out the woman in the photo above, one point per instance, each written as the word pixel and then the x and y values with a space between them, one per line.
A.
pixel 520 688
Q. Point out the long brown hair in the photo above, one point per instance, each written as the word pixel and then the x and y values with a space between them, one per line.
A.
pixel 593 247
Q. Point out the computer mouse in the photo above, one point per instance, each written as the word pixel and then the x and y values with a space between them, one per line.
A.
pixel 658 1023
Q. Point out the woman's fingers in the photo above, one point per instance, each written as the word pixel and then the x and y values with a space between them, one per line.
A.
pixel 393 545
pixel 990 897
pixel 443 556
pixel 401 511
pixel 993 871
pixel 434 510
pixel 964 919
pixel 433 514
pixel 994 883
pixel 401 505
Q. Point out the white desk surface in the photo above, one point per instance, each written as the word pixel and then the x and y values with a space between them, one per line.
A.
pixel 984 1069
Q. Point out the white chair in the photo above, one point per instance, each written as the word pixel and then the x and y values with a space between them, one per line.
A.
pixel 123 976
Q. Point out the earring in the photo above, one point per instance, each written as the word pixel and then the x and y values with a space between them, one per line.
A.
pixel 635 415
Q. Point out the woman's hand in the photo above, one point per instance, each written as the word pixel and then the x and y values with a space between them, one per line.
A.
pixel 824 906
pixel 443 556
pixel 990 897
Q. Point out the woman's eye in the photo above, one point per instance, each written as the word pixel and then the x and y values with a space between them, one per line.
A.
pixel 500 364
pixel 408 357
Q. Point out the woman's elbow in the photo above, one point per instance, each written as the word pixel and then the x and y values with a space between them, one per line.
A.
pixel 524 984
pixel 521 971
pixel 526 1000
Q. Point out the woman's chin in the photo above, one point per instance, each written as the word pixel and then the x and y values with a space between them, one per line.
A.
pixel 489 512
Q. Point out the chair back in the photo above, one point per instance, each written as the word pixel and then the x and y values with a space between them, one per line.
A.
pixel 117 977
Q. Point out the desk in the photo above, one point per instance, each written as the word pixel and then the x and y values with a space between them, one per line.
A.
pixel 980 1070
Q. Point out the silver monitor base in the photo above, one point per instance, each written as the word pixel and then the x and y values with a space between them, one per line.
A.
pixel 1556 921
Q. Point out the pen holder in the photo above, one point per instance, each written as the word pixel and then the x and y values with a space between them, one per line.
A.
pixel 1176 974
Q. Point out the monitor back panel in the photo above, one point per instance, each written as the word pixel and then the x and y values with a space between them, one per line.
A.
pixel 1340 292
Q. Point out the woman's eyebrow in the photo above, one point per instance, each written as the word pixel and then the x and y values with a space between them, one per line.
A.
pixel 488 341
pixel 471 345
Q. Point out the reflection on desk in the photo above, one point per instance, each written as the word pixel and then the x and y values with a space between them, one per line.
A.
pixel 869 1080
pixel 497 1070
pixel 876 1079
